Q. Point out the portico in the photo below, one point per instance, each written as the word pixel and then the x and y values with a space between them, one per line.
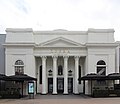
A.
pixel 59 70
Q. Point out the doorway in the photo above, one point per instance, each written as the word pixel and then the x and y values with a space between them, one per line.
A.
pixel 70 85
pixel 50 85
pixel 60 85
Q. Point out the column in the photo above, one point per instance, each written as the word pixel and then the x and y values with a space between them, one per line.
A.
pixel 54 74
pixel 76 75
pixel 65 74
pixel 44 78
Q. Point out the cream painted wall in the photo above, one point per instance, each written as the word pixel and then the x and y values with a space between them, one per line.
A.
pixel 19 35
pixel 25 54
pixel 106 54
pixel 100 38
pixel 40 38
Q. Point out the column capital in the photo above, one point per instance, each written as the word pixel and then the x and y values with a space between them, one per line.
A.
pixel 44 57
pixel 54 57
pixel 76 57
pixel 65 57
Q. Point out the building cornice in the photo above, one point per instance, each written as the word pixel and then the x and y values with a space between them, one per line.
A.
pixel 91 30
pixel 37 46
pixel 86 45
pixel 23 30
pixel 118 42
pixel 60 32
pixel 19 44
pixel 102 44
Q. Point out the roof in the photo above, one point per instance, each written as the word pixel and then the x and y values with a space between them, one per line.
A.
pixel 93 76
pixel 22 77
pixel 3 77
pixel 114 76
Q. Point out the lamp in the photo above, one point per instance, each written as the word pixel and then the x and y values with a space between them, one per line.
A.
pixel 50 72
pixel 70 72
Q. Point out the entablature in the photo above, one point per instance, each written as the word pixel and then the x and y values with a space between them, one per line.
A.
pixel 102 44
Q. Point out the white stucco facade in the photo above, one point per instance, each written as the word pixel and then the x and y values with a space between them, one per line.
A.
pixel 63 56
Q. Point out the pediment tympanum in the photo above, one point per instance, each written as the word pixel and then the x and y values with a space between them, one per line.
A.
pixel 60 42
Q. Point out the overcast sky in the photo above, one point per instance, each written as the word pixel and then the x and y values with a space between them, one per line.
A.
pixel 60 14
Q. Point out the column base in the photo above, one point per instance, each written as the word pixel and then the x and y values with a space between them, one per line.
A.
pixel 76 93
pixel 65 93
pixel 43 93
pixel 54 93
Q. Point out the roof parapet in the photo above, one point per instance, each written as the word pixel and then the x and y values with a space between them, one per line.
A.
pixel 101 30
pixel 19 30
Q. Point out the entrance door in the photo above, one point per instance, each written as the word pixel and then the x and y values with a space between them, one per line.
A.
pixel 70 85
pixel 60 85
pixel 50 85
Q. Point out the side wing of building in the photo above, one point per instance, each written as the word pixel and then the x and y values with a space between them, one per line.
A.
pixel 2 54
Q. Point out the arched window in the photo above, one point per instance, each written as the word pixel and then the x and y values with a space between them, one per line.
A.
pixel 60 70
pixel 19 67
pixel 101 62
pixel 101 67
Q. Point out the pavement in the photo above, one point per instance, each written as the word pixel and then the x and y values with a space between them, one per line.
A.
pixel 62 99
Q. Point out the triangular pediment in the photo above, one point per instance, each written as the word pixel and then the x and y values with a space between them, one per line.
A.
pixel 60 42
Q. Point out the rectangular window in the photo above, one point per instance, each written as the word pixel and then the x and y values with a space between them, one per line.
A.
pixel 101 70
pixel 19 70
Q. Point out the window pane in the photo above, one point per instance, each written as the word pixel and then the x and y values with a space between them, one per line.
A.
pixel 19 67
pixel 101 62
pixel 19 62
pixel 101 70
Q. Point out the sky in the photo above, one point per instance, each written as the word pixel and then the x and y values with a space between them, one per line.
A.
pixel 72 15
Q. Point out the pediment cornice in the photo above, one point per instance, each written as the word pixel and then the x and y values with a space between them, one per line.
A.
pixel 60 42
